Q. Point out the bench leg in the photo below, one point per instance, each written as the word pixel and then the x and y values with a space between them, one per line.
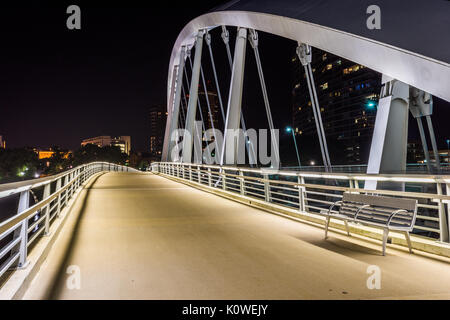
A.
pixel 347 228
pixel 327 223
pixel 408 240
pixel 385 237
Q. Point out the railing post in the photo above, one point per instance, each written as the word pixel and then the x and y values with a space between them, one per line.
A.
pixel 301 194
pixel 266 187
pixel 77 179
pixel 66 181
pixel 71 184
pixel 224 180
pixel 199 175
pixel 46 210
pixel 447 186
pixel 209 177
pixel 443 227
pixel 190 172
pixel 22 231
pixel 58 187
pixel 241 182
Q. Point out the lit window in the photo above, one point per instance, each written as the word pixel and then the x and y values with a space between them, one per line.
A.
pixel 309 103
pixel 329 66
pixel 324 86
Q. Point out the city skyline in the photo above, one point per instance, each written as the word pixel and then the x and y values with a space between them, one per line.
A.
pixel 86 71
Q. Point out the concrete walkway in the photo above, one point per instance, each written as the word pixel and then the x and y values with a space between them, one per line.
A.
pixel 141 236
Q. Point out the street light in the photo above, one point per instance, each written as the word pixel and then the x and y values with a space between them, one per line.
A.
pixel 289 129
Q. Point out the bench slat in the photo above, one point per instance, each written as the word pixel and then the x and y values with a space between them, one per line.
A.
pixel 387 202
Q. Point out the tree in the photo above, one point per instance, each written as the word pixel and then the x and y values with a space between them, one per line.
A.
pixel 18 164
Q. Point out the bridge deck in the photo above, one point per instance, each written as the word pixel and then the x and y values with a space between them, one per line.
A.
pixel 141 236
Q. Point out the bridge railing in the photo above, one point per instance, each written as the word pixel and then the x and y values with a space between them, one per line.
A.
pixel 314 192
pixel 34 217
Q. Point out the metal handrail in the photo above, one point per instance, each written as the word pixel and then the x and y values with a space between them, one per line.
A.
pixel 319 189
pixel 19 231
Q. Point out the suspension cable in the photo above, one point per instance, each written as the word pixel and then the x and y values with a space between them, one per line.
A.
pixel 325 146
pixel 198 100
pixel 226 40
pixel 304 54
pixel 182 105
pixel 208 43
pixel 254 43
pixel 209 110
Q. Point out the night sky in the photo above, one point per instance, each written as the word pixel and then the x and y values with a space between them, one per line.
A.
pixel 59 86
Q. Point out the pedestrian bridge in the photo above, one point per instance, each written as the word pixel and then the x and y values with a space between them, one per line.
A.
pixel 141 235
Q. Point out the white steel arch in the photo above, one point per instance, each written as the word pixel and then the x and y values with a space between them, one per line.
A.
pixel 425 73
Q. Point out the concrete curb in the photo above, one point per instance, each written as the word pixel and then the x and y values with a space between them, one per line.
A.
pixel 19 280
pixel 418 243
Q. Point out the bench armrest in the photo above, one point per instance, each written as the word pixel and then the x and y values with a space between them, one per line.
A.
pixel 359 210
pixel 393 214
pixel 337 203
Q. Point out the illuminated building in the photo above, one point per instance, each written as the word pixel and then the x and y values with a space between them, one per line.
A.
pixel 48 153
pixel 123 142
pixel 158 117
pixel 348 95
pixel 2 142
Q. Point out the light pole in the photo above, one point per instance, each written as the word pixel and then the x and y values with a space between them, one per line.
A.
pixel 289 129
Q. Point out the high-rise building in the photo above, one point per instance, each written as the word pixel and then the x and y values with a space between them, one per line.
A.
pixel 348 95
pixel 158 117
pixel 124 142
pixel 2 142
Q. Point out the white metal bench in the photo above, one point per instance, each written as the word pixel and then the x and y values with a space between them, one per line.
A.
pixel 388 213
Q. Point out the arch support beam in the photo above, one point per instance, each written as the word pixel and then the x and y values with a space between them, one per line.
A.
pixel 235 99
pixel 193 99
pixel 176 105
pixel 390 135
pixel 165 152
